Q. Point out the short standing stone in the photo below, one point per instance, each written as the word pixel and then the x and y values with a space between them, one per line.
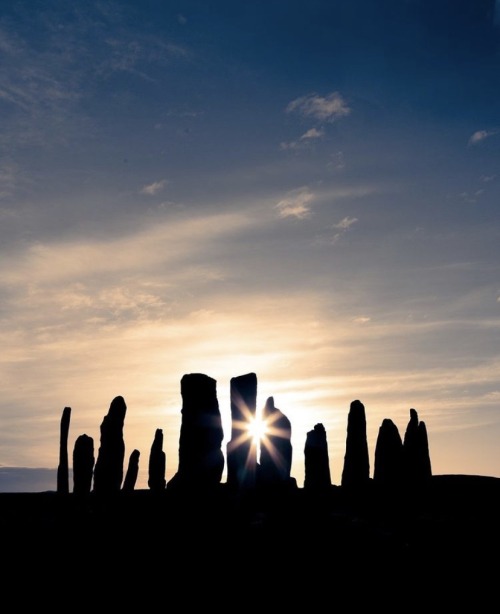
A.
pixel 157 461
pixel 416 450
pixel 316 459
pixel 389 462
pixel 132 472
pixel 83 465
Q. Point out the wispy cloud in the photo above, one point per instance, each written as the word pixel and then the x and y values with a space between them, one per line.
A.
pixel 313 133
pixel 342 227
pixel 297 203
pixel 304 140
pixel 42 84
pixel 135 55
pixel 8 180
pixel 34 76
pixel 337 161
pixel 153 188
pixel 152 248
pixel 325 108
pixel 481 135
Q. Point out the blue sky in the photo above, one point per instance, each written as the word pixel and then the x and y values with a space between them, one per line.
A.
pixel 304 190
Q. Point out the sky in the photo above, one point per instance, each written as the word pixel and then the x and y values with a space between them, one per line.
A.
pixel 305 190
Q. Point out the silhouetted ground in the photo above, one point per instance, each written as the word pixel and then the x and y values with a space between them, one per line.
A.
pixel 290 548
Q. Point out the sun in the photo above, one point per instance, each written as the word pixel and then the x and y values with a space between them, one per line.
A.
pixel 257 429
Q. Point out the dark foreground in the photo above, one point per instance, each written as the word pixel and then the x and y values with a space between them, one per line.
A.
pixel 224 549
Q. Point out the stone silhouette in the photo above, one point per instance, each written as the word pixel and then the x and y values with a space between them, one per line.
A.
pixel 201 461
pixel 317 475
pixel 356 470
pixel 108 471
pixel 389 460
pixel 132 472
pixel 63 468
pixel 416 450
pixel 275 448
pixel 83 465
pixel 241 452
pixel 157 463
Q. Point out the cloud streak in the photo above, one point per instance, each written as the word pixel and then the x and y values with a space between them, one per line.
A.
pixel 327 108
pixel 481 135
pixel 152 246
pixel 297 204
pixel 305 140
pixel 342 227
pixel 153 188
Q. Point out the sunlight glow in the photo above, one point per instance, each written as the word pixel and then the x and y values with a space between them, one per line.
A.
pixel 257 429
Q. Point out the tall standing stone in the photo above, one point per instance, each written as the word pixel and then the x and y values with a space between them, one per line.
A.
pixel 201 460
pixel 356 471
pixel 132 472
pixel 108 472
pixel 241 451
pixel 416 450
pixel 276 447
pixel 316 460
pixel 83 465
pixel 157 464
pixel 389 461
pixel 63 468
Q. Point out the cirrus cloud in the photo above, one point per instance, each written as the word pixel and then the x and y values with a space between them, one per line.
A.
pixel 342 227
pixel 481 135
pixel 296 204
pixel 325 108
pixel 154 188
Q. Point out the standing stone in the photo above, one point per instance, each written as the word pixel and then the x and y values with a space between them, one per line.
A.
pixel 317 461
pixel 83 465
pixel 356 471
pixel 389 461
pixel 63 469
pixel 425 458
pixel 241 452
pixel 201 461
pixel 108 472
pixel 276 448
pixel 132 472
pixel 157 464
pixel 416 450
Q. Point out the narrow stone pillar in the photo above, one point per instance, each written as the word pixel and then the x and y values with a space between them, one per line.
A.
pixel 63 468
pixel 241 453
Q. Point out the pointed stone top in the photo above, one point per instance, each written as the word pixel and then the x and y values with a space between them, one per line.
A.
pixel 117 410
pixel 269 406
